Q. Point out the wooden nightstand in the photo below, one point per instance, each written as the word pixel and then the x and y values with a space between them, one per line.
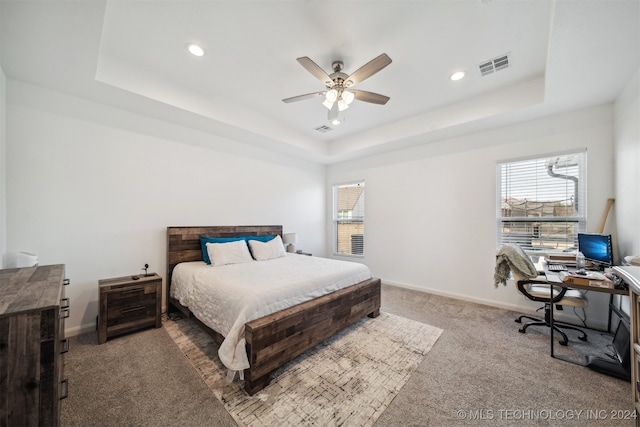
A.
pixel 128 305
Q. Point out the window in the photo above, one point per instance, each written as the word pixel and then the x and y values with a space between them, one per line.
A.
pixel 348 219
pixel 542 202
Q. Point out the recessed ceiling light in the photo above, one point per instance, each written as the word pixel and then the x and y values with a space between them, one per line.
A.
pixel 195 49
pixel 457 75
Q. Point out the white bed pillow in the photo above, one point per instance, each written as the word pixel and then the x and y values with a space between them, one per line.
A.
pixel 263 251
pixel 228 253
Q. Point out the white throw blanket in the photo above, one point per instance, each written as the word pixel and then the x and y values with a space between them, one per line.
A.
pixel 512 257
pixel 226 297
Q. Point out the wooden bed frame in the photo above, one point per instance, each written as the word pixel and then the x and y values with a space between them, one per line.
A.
pixel 277 338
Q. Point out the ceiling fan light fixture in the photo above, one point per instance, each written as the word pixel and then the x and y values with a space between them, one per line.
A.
pixel 348 96
pixel 195 49
pixel 337 95
pixel 331 95
pixel 333 113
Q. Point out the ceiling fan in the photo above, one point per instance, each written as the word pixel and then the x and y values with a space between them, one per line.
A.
pixel 339 94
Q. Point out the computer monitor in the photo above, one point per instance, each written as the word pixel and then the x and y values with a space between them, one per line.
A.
pixel 596 248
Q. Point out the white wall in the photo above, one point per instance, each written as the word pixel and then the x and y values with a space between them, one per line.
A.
pixel 94 188
pixel 627 170
pixel 431 210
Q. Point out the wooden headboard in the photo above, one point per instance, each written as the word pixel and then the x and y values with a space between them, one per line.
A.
pixel 183 243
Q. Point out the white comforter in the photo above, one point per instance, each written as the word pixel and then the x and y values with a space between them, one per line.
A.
pixel 226 297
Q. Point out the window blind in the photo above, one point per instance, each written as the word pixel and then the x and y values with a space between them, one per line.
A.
pixel 542 202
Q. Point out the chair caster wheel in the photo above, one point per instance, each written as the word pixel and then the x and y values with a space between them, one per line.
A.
pixel 564 343
pixel 522 331
pixel 583 338
pixel 518 320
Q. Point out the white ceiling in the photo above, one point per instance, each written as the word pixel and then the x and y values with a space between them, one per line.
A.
pixel 564 55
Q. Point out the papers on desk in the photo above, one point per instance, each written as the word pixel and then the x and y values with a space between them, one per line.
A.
pixel 565 263
pixel 568 260
pixel 592 275
pixel 590 278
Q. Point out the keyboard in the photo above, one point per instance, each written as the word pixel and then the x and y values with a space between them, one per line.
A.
pixel 556 267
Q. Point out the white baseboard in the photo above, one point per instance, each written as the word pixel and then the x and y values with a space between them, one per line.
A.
pixel 561 317
pixel 91 327
pixel 79 330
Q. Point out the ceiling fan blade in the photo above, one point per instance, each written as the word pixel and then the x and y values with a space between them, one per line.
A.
pixel 315 69
pixel 303 97
pixel 374 98
pixel 368 69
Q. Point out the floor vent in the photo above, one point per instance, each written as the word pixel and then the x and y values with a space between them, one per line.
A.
pixel 493 65
pixel 323 129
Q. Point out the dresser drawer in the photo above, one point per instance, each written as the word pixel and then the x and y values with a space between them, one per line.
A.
pixel 133 295
pixel 131 313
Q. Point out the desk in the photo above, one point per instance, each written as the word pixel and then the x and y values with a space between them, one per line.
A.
pixel 631 276
pixel 612 292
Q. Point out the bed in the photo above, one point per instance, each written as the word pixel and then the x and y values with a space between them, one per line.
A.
pixel 276 338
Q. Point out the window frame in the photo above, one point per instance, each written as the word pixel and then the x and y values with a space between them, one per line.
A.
pixel 577 221
pixel 342 216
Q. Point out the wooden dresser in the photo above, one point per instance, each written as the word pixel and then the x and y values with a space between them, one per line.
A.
pixel 127 305
pixel 32 344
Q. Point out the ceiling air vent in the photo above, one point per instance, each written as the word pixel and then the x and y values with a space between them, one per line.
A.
pixel 495 64
pixel 323 129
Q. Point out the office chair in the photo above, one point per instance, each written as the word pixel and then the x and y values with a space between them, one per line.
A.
pixel 512 257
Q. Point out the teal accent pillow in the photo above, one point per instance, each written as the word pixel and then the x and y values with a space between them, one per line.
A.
pixel 204 240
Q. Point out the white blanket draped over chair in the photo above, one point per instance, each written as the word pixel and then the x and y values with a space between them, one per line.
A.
pixel 511 258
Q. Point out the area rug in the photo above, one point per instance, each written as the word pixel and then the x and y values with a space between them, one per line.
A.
pixel 348 380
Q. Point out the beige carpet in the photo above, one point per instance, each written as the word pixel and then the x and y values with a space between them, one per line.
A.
pixel 348 380
pixel 480 364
